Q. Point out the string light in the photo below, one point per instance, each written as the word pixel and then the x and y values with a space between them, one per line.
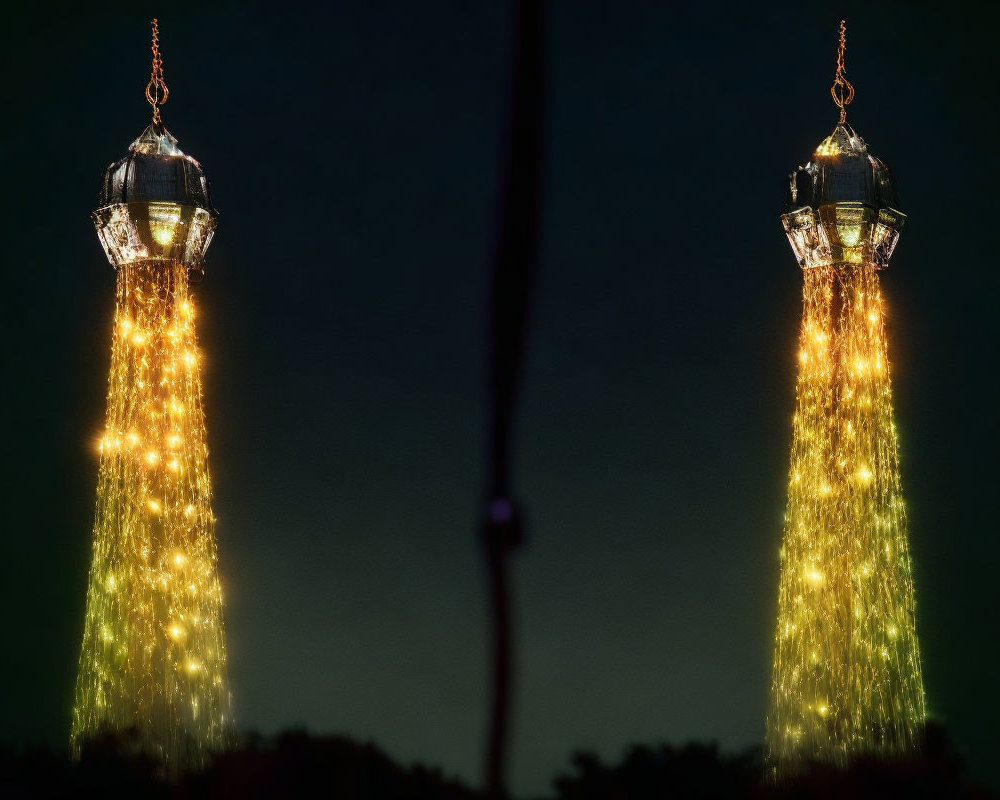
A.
pixel 847 675
pixel 154 656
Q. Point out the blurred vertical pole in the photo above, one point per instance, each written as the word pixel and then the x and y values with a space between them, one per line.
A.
pixel 513 268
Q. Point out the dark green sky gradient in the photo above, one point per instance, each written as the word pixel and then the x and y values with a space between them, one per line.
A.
pixel 352 153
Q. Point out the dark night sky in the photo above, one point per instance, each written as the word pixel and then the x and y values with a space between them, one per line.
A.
pixel 352 152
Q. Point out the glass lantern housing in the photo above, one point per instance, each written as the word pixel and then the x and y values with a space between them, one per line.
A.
pixel 155 204
pixel 843 206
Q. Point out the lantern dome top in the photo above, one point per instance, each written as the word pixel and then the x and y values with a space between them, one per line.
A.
pixel 842 170
pixel 156 170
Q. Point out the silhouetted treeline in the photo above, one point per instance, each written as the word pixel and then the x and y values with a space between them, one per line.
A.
pixel 297 764
pixel 292 764
pixel 701 772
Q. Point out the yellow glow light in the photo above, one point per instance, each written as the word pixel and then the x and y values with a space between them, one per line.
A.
pixel 828 147
pixel 850 235
pixel 163 222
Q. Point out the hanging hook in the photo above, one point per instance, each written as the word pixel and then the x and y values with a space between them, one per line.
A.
pixel 842 91
pixel 156 90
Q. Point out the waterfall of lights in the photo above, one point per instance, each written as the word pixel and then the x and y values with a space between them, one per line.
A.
pixel 153 656
pixel 847 678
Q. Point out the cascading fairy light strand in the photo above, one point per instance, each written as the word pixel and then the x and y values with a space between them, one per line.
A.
pixel 153 657
pixel 847 678
pixel 886 681
pixel 808 589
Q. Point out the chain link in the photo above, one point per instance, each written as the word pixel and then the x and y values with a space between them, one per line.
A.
pixel 156 90
pixel 842 91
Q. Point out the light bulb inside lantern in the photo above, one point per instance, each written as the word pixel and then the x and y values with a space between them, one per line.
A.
pixel 163 222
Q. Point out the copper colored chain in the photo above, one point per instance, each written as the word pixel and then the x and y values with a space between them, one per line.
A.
pixel 842 90
pixel 156 90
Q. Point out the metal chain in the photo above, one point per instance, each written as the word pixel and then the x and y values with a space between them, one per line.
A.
pixel 156 90
pixel 842 90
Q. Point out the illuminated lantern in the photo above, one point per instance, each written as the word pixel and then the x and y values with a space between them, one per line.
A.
pixel 155 204
pixel 153 660
pixel 847 675
pixel 843 206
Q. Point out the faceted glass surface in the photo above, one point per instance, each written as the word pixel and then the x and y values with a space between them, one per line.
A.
pixel 133 232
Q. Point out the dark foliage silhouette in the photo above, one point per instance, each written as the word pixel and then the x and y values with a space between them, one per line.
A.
pixel 293 764
pixel 701 772
pixel 297 764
